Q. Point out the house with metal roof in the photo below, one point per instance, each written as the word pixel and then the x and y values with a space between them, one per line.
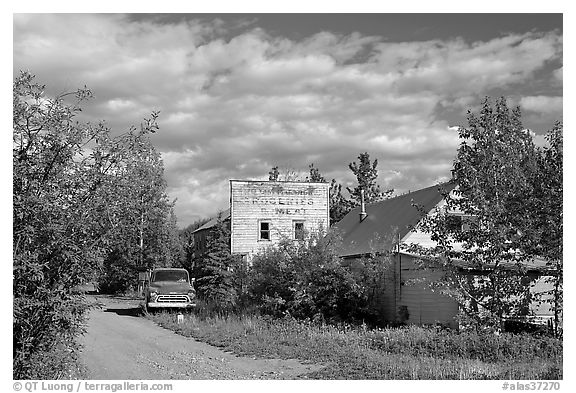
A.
pixel 389 226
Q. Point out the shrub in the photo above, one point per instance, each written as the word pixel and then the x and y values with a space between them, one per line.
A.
pixel 305 280
pixel 118 276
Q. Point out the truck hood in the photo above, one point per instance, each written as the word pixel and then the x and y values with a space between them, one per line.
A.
pixel 171 286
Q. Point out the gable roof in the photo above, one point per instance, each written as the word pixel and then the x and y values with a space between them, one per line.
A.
pixel 394 216
pixel 223 215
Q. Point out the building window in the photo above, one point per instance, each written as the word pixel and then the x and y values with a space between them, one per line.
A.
pixel 264 232
pixel 460 222
pixel 299 230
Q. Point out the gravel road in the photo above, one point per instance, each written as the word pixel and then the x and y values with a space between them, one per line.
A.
pixel 120 344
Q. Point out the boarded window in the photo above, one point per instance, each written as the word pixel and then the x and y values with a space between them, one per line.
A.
pixel 298 230
pixel 264 233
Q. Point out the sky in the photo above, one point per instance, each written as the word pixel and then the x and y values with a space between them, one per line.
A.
pixel 240 93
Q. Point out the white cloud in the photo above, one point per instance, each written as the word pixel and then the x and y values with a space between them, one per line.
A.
pixel 233 106
pixel 558 74
pixel 458 67
pixel 542 104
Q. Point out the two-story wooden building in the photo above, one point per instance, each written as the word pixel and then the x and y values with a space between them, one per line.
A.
pixel 262 213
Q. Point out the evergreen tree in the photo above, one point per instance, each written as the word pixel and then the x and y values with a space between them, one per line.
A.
pixel 366 173
pixel 188 245
pixel 274 174
pixel 314 175
pixel 215 281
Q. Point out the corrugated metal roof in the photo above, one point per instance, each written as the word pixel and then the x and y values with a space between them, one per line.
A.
pixel 224 215
pixel 387 218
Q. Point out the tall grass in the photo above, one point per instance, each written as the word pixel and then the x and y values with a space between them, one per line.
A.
pixel 349 352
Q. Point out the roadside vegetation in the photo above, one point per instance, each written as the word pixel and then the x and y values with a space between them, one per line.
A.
pixel 88 206
pixel 357 352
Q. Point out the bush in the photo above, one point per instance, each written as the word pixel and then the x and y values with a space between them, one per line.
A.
pixel 66 215
pixel 118 275
pixel 306 280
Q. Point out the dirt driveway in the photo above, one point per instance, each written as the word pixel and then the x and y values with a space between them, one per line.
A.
pixel 121 344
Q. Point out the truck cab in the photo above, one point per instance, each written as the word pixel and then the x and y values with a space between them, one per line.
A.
pixel 169 288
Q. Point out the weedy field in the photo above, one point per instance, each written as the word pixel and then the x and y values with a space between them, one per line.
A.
pixel 393 353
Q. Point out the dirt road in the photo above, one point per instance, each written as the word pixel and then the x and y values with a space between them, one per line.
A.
pixel 120 344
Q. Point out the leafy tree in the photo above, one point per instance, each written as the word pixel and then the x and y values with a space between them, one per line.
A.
pixel 503 196
pixel 545 237
pixel 144 226
pixel 339 205
pixel 366 173
pixel 64 184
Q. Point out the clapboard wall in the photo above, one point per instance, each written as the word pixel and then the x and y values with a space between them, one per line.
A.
pixel 281 204
pixel 422 305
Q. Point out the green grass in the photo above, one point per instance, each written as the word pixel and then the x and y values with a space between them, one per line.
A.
pixel 356 353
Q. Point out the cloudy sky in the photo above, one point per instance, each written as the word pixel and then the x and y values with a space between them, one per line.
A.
pixel 240 93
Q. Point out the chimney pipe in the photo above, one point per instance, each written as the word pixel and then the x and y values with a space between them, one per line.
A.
pixel 362 206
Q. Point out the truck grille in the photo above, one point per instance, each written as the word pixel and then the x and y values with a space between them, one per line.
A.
pixel 173 298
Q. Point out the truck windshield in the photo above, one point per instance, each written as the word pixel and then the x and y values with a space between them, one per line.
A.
pixel 171 275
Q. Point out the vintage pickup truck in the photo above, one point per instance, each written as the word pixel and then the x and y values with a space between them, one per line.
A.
pixel 169 288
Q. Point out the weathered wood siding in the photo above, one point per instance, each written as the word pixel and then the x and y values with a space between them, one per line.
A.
pixel 543 289
pixel 423 306
pixel 383 298
pixel 280 204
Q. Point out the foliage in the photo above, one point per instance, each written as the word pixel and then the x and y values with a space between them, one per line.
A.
pixel 66 186
pixel 117 273
pixel 215 278
pixel 187 243
pixel 315 176
pixel 274 174
pixel 339 205
pixel 306 280
pixel 546 209
pixel 506 189
pixel 366 173
pixel 144 226
pixel 287 174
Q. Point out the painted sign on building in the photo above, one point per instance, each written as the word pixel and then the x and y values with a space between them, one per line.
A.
pixel 264 212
